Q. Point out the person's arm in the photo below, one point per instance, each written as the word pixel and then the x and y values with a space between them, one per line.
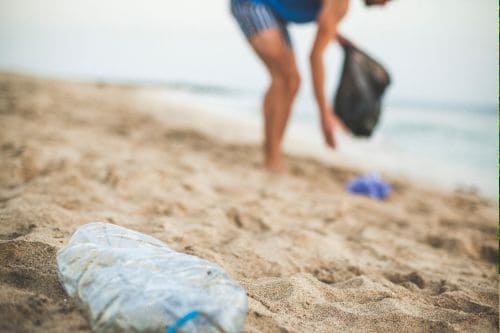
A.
pixel 330 15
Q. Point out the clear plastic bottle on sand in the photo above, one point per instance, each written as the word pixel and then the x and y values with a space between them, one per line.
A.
pixel 125 281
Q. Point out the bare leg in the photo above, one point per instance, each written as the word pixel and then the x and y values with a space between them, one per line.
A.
pixel 280 62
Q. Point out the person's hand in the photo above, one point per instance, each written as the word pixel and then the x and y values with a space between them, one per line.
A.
pixel 328 124
pixel 338 123
pixel 343 41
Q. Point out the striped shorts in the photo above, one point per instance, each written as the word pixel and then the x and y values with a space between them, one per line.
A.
pixel 253 17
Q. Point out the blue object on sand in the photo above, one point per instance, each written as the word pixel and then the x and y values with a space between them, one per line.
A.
pixel 370 185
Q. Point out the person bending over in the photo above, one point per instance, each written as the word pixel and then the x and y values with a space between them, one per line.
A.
pixel 264 23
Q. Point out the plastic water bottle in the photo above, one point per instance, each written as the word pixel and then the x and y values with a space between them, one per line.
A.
pixel 125 281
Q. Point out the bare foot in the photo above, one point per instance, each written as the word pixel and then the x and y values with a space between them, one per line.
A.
pixel 277 167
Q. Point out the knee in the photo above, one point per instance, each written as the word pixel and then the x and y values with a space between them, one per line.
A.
pixel 290 80
pixel 293 82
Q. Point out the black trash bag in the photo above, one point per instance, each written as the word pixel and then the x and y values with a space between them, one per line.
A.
pixel 359 95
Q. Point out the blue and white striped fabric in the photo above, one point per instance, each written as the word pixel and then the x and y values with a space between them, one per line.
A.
pixel 253 16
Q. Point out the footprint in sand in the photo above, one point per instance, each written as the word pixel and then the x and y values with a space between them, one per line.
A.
pixel 30 266
pixel 405 279
pixel 416 283
pixel 17 231
pixel 460 301
pixel 33 295
pixel 247 221
pixel 489 253
pixel 330 274
pixel 459 246
pixel 14 225
pixel 450 244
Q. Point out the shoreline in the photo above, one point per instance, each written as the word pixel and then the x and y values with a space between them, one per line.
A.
pixel 351 153
pixel 311 257
pixel 295 143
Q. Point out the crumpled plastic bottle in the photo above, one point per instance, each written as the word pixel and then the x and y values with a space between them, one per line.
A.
pixel 125 281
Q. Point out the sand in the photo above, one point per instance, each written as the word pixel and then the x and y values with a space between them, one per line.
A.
pixel 312 257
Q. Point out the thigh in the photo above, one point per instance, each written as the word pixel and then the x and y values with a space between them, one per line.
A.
pixel 268 36
pixel 273 50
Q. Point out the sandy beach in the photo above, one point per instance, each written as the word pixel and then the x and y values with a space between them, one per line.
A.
pixel 311 257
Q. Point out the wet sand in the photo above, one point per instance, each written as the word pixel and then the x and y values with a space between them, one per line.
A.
pixel 312 257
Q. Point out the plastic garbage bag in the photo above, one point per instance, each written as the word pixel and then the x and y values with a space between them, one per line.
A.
pixel 125 281
pixel 370 185
pixel 359 95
